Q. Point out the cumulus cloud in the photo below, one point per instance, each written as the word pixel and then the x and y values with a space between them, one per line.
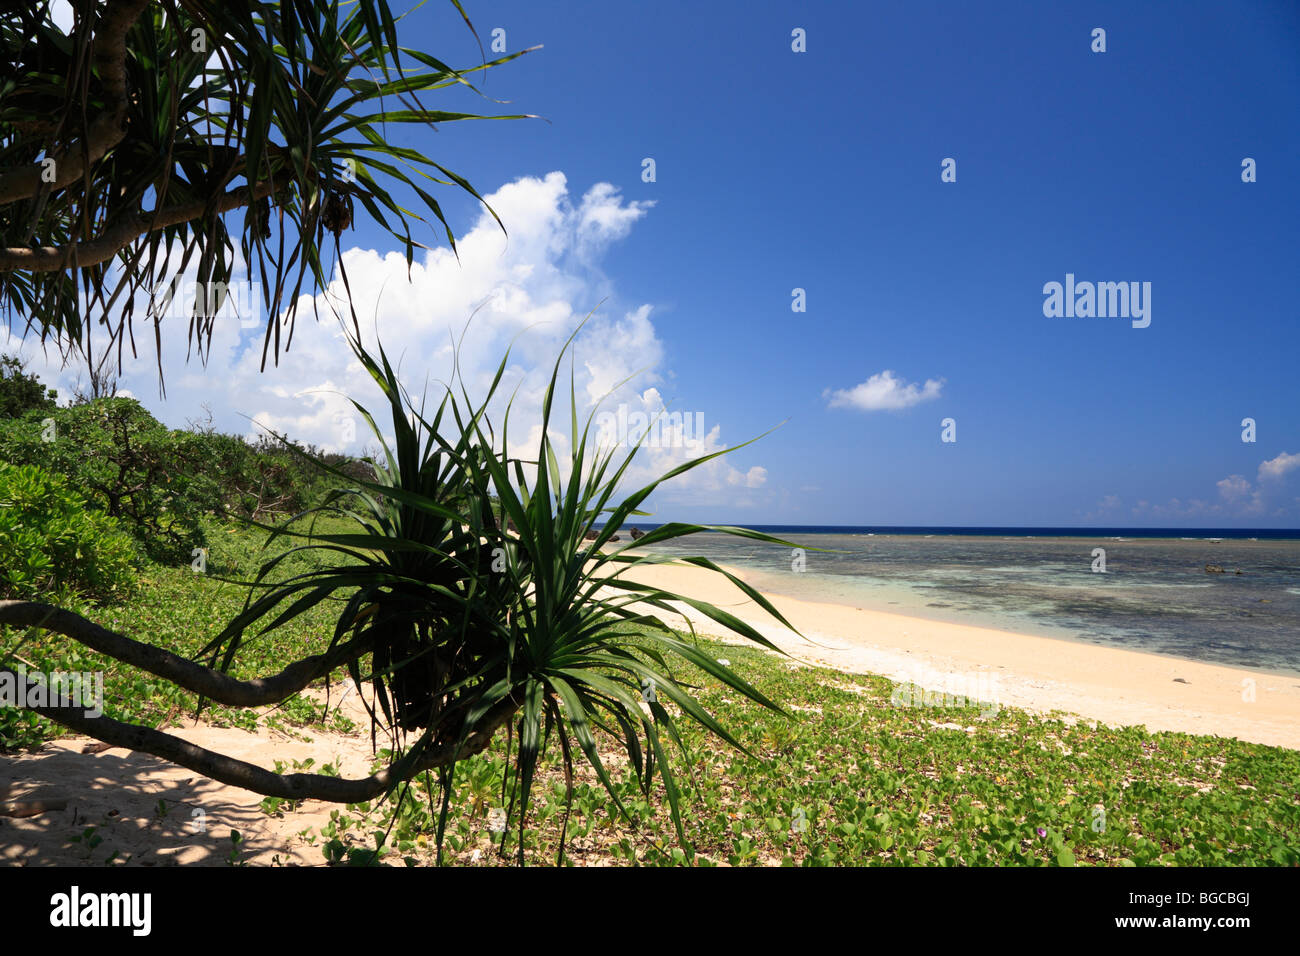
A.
pixel 1238 497
pixel 1243 498
pixel 754 478
pixel 526 292
pixel 883 392
pixel 1277 467
pixel 602 218
pixel 1233 488
pixel 671 437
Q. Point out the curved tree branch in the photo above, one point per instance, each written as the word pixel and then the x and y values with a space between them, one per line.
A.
pixel 112 241
pixel 203 681
pixel 240 773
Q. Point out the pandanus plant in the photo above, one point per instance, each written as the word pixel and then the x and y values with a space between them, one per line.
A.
pixel 472 597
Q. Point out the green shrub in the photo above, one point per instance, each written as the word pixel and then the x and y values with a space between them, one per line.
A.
pixel 266 480
pixel 50 544
pixel 19 391
pixel 157 482
pixel 160 482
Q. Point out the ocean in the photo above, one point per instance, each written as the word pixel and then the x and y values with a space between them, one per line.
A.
pixel 1154 595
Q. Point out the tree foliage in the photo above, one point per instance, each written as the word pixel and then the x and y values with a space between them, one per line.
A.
pixel 129 145
pixel 21 391
pixel 52 546
pixel 156 482
pixel 159 482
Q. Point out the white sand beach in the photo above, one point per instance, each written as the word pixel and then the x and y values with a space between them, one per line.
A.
pixel 154 813
pixel 1114 686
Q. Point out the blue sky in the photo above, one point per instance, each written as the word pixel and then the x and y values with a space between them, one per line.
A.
pixel 820 170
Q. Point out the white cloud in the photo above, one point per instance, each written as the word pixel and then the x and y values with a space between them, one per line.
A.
pixel 526 291
pixel 1279 466
pixel 1233 488
pixel 883 391
pixel 1238 497
pixel 675 437
pixel 1249 500
pixel 602 218
pixel 754 478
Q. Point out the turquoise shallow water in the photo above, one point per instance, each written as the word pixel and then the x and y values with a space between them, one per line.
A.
pixel 1155 594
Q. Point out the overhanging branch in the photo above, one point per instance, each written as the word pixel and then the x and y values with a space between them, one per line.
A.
pixel 240 773
pixel 118 237
pixel 203 681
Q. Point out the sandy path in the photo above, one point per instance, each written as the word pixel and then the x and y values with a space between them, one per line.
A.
pixel 118 792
